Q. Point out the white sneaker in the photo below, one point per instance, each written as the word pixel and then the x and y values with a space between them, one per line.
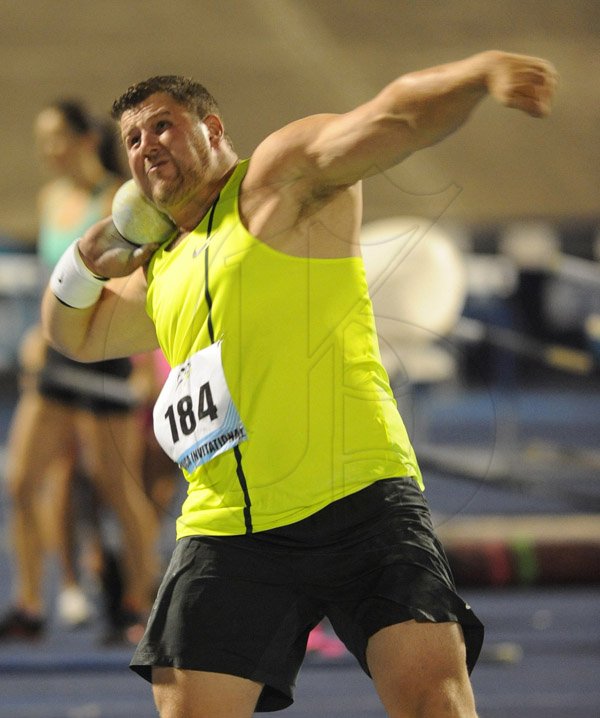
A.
pixel 73 607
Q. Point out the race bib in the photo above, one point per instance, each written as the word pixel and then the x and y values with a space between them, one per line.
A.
pixel 195 418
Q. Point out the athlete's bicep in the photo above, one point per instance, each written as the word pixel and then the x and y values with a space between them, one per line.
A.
pixel 116 325
pixel 121 325
pixel 318 155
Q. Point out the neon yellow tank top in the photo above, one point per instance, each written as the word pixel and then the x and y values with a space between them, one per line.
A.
pixel 302 363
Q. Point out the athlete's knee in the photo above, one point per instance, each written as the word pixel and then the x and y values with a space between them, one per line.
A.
pixel 450 698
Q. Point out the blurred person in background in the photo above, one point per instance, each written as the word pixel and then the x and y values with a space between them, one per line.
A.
pixel 74 420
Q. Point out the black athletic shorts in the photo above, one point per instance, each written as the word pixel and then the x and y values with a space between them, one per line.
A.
pixel 97 387
pixel 244 605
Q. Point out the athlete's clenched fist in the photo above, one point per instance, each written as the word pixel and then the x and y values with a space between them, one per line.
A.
pixel 521 82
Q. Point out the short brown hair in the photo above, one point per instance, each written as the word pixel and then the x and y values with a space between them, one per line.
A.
pixel 185 91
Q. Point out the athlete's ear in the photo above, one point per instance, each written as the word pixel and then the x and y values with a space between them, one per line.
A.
pixel 215 129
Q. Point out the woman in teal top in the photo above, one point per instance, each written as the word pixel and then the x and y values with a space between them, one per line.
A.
pixel 73 415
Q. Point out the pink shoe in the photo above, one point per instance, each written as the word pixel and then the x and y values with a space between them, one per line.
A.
pixel 324 644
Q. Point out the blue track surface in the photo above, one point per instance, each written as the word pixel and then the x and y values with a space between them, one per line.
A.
pixel 557 675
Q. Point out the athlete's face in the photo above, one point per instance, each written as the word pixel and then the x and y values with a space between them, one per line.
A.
pixel 168 149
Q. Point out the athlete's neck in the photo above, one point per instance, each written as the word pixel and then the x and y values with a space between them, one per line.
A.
pixel 189 215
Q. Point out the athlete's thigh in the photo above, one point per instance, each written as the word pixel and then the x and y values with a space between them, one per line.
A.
pixel 199 694
pixel 417 666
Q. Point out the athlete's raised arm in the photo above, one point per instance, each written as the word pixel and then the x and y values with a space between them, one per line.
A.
pixel 415 111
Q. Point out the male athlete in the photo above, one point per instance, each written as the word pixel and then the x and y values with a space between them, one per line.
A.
pixel 305 497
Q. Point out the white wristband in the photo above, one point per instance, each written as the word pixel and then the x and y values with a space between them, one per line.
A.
pixel 73 283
